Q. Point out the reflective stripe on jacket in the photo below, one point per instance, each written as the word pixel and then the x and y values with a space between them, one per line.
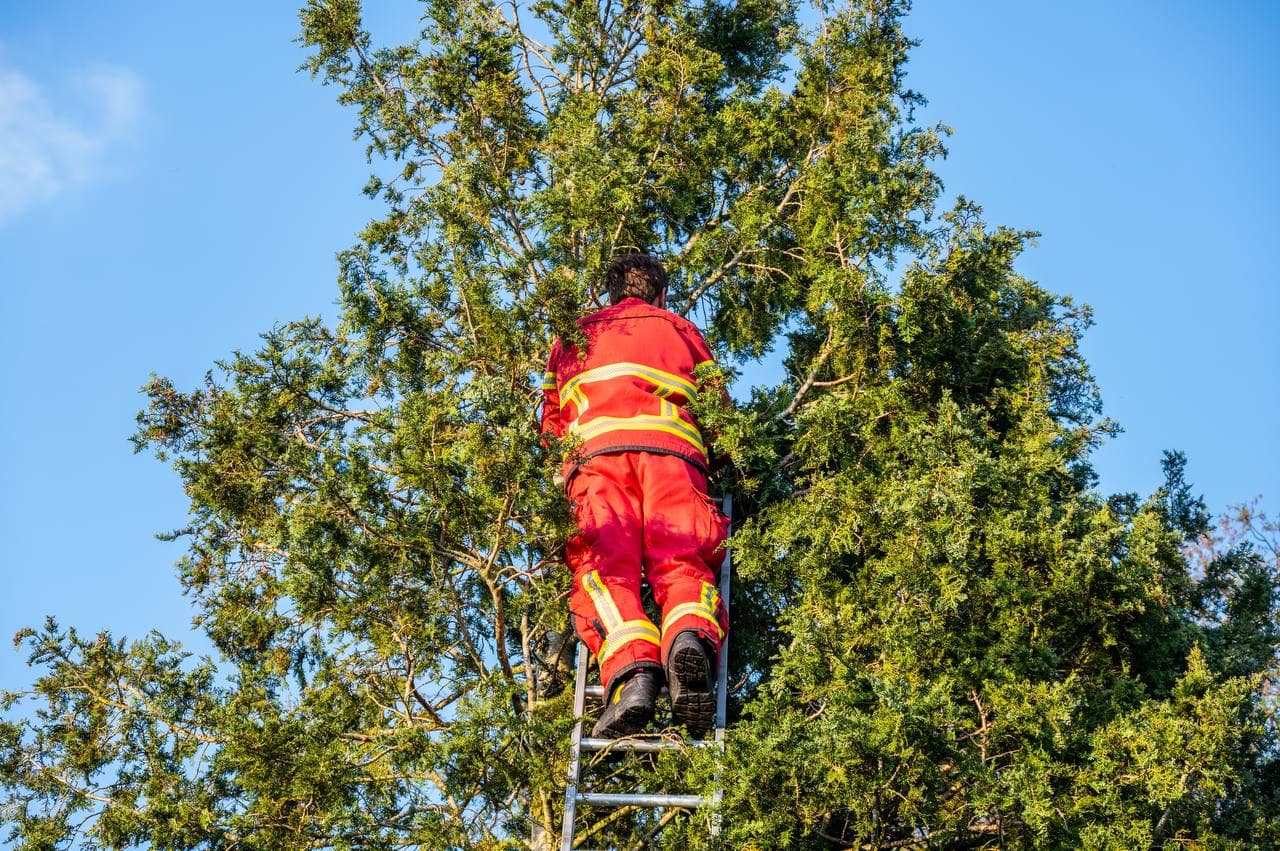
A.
pixel 632 389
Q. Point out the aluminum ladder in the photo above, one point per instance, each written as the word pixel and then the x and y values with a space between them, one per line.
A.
pixel 579 744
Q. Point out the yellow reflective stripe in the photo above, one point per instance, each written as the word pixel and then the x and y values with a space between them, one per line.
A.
pixel 698 609
pixel 666 382
pixel 638 630
pixel 639 424
pixel 704 608
pixel 670 424
pixel 604 604
pixel 549 381
pixel 617 632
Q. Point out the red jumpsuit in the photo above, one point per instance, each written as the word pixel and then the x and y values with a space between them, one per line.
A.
pixel 637 484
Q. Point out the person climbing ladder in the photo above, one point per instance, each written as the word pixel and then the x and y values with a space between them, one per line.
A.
pixel 637 485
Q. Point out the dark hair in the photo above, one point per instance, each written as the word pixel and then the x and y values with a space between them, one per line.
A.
pixel 635 274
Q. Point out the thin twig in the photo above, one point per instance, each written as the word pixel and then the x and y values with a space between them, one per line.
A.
pixel 818 362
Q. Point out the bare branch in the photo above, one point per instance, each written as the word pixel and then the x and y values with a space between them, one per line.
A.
pixel 818 363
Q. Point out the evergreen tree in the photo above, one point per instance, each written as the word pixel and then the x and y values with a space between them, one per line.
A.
pixel 943 635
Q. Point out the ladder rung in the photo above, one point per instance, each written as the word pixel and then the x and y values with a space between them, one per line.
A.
pixel 644 745
pixel 597 692
pixel 603 799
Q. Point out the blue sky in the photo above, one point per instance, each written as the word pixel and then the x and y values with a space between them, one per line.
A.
pixel 170 186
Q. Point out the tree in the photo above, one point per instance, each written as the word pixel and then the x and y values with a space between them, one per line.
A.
pixel 943 634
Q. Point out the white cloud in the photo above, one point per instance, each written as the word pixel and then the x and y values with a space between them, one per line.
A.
pixel 50 143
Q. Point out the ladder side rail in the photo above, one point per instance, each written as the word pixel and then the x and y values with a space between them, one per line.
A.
pixel 571 795
pixel 722 674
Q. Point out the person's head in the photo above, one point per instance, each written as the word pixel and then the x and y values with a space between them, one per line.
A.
pixel 640 275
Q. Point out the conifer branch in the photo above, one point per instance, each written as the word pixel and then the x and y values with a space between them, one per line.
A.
pixel 518 29
pixel 732 263
pixel 818 363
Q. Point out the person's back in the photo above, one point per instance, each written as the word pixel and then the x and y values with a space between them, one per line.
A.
pixel 632 385
pixel 637 484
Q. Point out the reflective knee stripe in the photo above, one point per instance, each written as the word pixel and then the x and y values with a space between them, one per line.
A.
pixel 605 607
pixel 691 609
pixel 629 631
pixel 617 632
pixel 706 607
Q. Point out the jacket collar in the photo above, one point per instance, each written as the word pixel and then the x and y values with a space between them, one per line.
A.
pixel 628 307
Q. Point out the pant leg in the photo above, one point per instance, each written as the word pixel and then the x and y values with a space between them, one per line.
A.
pixel 683 537
pixel 605 556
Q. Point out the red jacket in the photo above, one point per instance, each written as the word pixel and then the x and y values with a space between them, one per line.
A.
pixel 632 390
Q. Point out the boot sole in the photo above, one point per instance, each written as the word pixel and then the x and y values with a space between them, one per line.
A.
pixel 628 721
pixel 692 705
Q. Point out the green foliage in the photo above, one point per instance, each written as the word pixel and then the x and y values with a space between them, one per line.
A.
pixel 942 634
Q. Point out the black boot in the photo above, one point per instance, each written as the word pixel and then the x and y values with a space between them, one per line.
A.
pixel 629 708
pixel 691 681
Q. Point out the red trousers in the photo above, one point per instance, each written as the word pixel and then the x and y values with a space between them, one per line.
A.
pixel 643 515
